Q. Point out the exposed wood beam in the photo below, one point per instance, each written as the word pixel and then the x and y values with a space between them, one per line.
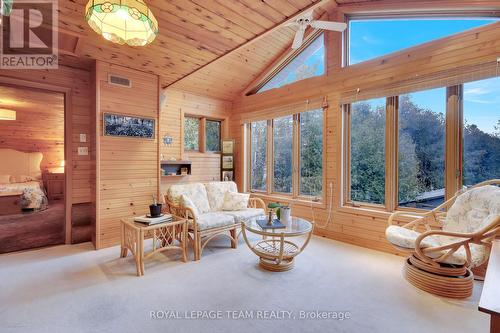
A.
pixel 388 6
pixel 309 8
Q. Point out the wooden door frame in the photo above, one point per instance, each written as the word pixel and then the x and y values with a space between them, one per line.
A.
pixel 68 134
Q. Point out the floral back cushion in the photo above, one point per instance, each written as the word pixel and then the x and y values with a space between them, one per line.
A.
pixel 216 192
pixel 473 210
pixel 235 201
pixel 195 191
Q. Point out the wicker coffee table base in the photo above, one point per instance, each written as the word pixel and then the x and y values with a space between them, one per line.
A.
pixel 274 266
pixel 439 283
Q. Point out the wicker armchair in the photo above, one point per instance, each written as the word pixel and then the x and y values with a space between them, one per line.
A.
pixel 446 242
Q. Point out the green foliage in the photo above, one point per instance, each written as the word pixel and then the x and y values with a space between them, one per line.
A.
pixel 191 133
pixel 481 155
pixel 283 154
pixel 421 148
pixel 311 153
pixel 212 135
pixel 259 155
pixel 367 153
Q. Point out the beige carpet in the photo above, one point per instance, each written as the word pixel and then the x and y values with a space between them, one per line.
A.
pixel 74 289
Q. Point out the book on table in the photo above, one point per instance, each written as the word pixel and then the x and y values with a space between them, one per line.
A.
pixel 263 223
pixel 153 220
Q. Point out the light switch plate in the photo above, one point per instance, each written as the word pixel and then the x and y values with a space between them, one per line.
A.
pixel 83 137
pixel 83 150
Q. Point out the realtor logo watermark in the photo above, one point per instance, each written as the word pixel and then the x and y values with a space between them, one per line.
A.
pixel 29 36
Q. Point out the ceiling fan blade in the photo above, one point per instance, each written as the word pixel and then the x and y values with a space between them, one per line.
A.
pixel 334 26
pixel 291 24
pixel 299 36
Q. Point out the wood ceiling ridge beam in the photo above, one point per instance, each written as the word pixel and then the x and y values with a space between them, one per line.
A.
pixel 312 6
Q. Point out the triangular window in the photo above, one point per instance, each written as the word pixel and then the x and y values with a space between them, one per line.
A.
pixel 308 63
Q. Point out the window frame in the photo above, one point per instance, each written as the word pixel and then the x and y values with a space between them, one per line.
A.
pixel 295 193
pixel 202 139
pixel 277 66
pixel 273 191
pixel 220 135
pixel 323 161
pixel 346 157
pixel 249 158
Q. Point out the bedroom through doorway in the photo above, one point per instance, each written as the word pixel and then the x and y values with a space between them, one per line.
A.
pixel 32 168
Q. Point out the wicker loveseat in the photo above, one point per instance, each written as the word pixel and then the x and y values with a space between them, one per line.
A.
pixel 207 219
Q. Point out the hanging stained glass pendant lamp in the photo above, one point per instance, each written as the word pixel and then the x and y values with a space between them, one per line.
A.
pixel 122 21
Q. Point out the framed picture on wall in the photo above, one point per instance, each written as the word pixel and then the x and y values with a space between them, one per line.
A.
pixel 227 176
pixel 228 146
pixel 227 162
pixel 128 126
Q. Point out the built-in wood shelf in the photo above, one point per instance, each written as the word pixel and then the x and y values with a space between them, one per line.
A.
pixel 173 168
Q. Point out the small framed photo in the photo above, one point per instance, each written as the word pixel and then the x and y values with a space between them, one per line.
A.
pixel 227 176
pixel 128 126
pixel 228 146
pixel 227 162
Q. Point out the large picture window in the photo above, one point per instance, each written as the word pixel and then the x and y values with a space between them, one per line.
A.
pixel 367 151
pixel 410 158
pixel 283 151
pixel 371 38
pixel 422 149
pixel 287 153
pixel 258 159
pixel 481 131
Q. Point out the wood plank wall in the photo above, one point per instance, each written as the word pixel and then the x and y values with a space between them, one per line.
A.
pixel 79 82
pixel 429 65
pixel 127 172
pixel 39 124
pixel 176 104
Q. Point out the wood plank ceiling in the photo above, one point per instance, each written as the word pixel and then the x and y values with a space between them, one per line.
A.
pixel 193 33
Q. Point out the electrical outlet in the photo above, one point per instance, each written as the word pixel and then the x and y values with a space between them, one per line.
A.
pixel 83 137
pixel 83 150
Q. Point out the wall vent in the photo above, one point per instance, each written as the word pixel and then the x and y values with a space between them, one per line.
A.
pixel 119 81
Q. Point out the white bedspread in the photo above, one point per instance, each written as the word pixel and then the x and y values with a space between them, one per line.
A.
pixel 33 196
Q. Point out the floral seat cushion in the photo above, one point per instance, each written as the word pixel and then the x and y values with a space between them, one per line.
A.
pixel 406 238
pixel 245 214
pixel 212 220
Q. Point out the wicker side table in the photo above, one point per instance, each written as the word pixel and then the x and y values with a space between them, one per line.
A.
pixel 164 236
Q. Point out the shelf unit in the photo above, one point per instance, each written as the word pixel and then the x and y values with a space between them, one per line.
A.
pixel 170 167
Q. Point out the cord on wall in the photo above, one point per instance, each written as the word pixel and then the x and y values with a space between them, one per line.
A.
pixel 330 204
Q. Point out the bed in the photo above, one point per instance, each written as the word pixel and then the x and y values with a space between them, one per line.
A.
pixel 20 173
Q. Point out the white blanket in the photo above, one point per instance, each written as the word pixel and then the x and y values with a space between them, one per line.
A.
pixel 33 195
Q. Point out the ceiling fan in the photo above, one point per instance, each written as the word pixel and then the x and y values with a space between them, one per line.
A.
pixel 307 20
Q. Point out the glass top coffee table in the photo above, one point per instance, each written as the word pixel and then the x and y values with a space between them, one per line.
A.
pixel 276 250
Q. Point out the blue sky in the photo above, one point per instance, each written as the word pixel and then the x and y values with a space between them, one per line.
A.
pixel 373 38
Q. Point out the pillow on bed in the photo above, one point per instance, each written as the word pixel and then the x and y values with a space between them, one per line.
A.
pixel 4 179
pixel 24 179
